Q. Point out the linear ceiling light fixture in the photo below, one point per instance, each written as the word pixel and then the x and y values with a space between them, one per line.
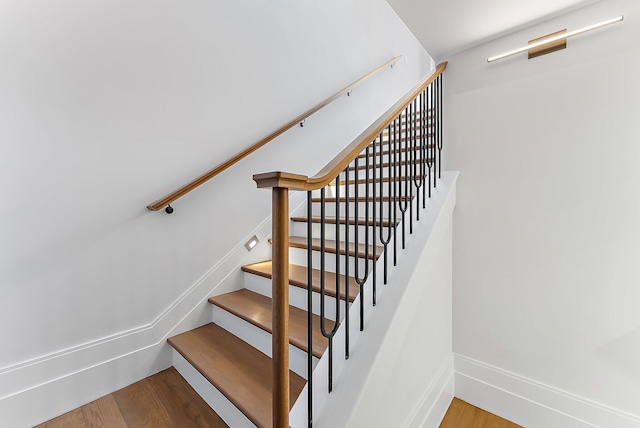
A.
pixel 555 37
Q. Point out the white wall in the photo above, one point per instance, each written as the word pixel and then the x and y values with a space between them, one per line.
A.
pixel 106 106
pixel 547 237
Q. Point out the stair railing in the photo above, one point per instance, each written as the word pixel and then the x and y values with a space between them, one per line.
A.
pixel 166 201
pixel 412 131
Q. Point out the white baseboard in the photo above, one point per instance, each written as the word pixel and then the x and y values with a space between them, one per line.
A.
pixel 530 403
pixel 435 401
pixel 56 396
pixel 42 388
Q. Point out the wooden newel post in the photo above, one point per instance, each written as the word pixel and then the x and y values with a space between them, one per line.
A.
pixel 280 314
pixel 280 183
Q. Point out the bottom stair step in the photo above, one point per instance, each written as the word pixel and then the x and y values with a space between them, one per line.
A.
pixel 239 371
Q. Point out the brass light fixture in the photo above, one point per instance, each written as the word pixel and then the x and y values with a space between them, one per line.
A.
pixel 547 47
pixel 553 42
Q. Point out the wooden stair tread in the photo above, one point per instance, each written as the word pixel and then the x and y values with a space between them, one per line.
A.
pixel 235 368
pixel 330 246
pixel 342 220
pixel 256 309
pixel 298 278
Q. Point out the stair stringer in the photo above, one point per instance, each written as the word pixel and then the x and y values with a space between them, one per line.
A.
pixel 353 376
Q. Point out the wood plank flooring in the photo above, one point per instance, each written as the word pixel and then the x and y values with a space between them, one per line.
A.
pixel 464 415
pixel 166 400
pixel 162 400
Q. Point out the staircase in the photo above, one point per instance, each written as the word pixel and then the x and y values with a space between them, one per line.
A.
pixel 228 361
pixel 233 352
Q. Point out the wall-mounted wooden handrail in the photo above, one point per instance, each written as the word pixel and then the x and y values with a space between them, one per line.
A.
pixel 163 202
pixel 327 174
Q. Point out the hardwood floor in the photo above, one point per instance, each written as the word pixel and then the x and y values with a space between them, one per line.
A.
pixel 166 400
pixel 162 400
pixel 463 415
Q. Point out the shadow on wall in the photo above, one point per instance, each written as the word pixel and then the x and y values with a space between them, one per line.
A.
pixel 623 353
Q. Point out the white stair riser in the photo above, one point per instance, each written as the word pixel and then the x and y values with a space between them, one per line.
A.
pixel 388 188
pixel 400 155
pixel 331 191
pixel 412 127
pixel 297 296
pixel 300 229
pixel 399 152
pixel 330 209
pixel 259 339
pixel 400 148
pixel 298 256
pixel 403 170
pixel 209 393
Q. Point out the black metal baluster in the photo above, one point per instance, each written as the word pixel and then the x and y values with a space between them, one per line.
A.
pixel 431 136
pixel 416 159
pixel 408 164
pixel 440 112
pixel 394 183
pixel 360 280
pixel 309 308
pixel 402 196
pixel 367 218
pixel 347 221
pixel 373 231
pixel 423 143
pixel 322 266
pixel 329 334
pixel 383 240
pixel 346 249
pixel 435 130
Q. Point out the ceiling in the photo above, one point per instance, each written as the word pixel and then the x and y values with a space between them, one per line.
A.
pixel 446 27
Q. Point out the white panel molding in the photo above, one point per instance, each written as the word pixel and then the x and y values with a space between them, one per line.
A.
pixel 55 372
pixel 435 400
pixel 531 403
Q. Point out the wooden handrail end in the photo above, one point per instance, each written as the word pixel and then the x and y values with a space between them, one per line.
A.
pixel 287 180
